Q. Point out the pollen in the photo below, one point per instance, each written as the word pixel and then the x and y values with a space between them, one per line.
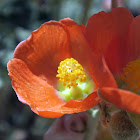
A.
pixel 131 75
pixel 70 72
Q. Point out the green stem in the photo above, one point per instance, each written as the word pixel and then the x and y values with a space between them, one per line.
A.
pixel 93 120
pixel 86 7
pixel 114 3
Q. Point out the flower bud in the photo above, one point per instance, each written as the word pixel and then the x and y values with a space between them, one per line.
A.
pixel 122 128
pixel 135 118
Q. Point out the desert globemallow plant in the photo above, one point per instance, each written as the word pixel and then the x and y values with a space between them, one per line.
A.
pixel 65 68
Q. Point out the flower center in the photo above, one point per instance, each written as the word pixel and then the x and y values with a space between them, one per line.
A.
pixel 131 75
pixel 73 82
pixel 69 72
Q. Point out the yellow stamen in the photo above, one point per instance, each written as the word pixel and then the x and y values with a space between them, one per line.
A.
pixel 69 71
pixel 131 75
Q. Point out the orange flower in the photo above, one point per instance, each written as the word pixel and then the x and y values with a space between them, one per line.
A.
pixel 116 36
pixel 33 69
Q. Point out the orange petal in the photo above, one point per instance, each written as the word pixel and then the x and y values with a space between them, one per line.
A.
pixel 100 72
pixel 74 106
pixel 83 28
pixel 122 98
pixel 44 49
pixel 78 41
pixel 42 97
pixel 132 51
pixel 32 90
pixel 105 33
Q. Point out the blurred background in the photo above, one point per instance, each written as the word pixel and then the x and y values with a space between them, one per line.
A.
pixel 18 18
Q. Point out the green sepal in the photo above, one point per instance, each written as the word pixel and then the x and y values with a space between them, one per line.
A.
pixel 122 127
pixel 135 118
